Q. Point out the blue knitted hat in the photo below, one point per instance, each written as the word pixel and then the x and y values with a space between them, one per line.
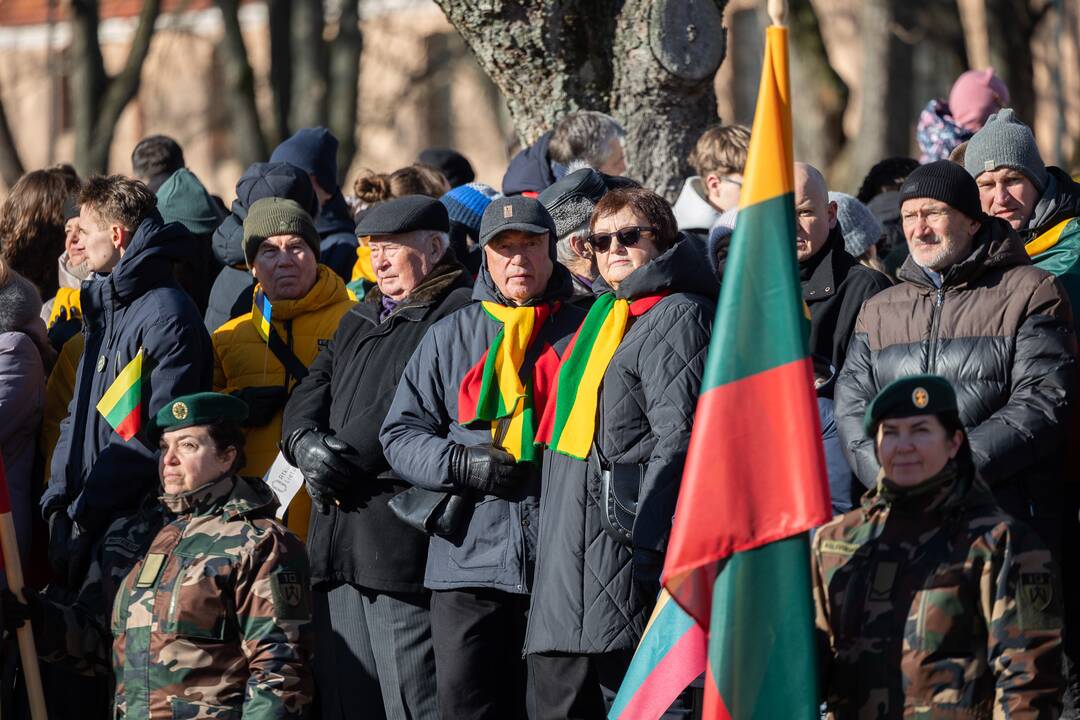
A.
pixel 466 204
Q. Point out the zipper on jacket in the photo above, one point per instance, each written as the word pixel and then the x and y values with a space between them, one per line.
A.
pixel 935 321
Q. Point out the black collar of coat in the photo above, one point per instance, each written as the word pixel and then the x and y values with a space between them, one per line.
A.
pixel 828 268
pixel 681 268
pixel 447 275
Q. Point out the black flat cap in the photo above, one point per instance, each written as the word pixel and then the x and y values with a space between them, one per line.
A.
pixel 451 163
pixel 404 214
pixel 515 213
pixel 572 199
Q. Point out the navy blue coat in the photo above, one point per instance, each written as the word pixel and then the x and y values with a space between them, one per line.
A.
pixel 337 249
pixel 95 474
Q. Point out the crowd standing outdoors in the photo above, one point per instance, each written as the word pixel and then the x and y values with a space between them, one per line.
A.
pixel 489 397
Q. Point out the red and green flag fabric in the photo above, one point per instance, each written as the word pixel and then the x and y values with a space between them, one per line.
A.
pixel 493 388
pixel 121 405
pixel 738 559
pixel 569 423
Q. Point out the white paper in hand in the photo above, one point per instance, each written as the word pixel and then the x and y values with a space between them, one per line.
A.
pixel 285 481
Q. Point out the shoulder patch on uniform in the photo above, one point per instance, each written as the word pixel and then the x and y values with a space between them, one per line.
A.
pixel 290 595
pixel 839 547
pixel 1035 602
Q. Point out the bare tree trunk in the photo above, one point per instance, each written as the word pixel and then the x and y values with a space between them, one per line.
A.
pixel 11 167
pixel 344 80
pixel 823 96
pixel 547 57
pixel 99 99
pixel 1010 25
pixel 279 19
pixel 664 57
pixel 247 131
pixel 308 103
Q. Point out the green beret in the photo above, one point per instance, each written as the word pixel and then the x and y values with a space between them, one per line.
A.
pixel 909 396
pixel 199 409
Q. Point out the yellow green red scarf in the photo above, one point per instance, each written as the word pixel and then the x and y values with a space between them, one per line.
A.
pixel 493 388
pixel 569 421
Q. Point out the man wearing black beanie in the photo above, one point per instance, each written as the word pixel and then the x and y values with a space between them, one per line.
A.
pixel 971 308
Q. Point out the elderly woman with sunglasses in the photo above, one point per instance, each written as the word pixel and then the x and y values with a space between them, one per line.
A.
pixel 617 425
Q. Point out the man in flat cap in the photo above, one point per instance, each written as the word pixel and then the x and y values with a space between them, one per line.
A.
pixel 296 307
pixel 462 422
pixel 372 622
pixel 971 308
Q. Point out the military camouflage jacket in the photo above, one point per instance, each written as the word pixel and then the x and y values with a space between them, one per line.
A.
pixel 931 602
pixel 215 621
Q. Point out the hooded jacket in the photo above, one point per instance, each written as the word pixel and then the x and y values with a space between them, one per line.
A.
pixel 938 133
pixel 242 360
pixel 230 296
pixel 65 304
pixel 530 170
pixel 183 199
pixel 692 209
pixel 22 396
pixel 221 627
pixel 348 393
pixel 931 601
pixel 95 473
pixel 496 547
pixel 1000 331
pixel 834 286
pixel 1052 235
pixel 584 598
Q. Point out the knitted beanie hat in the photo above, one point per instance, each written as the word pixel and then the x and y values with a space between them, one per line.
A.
pixel 1004 141
pixel 857 224
pixel 945 181
pixel 273 216
pixel 975 95
pixel 465 204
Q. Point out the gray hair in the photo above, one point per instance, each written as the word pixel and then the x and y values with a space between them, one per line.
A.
pixel 417 236
pixel 583 139
pixel 564 252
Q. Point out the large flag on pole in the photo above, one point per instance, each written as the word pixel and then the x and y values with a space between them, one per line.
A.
pixel 755 481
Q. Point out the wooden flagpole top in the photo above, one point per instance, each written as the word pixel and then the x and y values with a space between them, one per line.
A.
pixel 778 10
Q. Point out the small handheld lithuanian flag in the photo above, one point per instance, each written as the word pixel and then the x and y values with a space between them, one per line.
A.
pixel 260 314
pixel 121 405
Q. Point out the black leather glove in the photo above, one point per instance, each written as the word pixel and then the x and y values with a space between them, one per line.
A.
pixel 59 543
pixel 321 458
pixel 78 556
pixel 263 403
pixel 646 566
pixel 63 329
pixel 16 613
pixel 487 468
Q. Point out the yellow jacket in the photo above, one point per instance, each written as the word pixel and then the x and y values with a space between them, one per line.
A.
pixel 242 359
pixel 58 393
pixel 362 271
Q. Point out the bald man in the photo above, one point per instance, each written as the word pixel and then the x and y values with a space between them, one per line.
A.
pixel 834 284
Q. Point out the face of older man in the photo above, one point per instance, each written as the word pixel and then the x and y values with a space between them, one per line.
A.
pixel 1007 194
pixel 401 262
pixel 520 264
pixel 815 216
pixel 938 235
pixel 285 267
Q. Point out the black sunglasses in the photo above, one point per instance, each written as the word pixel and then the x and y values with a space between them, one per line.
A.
pixel 628 237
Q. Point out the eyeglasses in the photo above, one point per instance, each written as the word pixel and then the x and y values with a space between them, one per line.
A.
pixel 628 237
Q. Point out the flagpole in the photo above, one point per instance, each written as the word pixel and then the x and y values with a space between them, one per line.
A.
pixel 25 634
pixel 778 10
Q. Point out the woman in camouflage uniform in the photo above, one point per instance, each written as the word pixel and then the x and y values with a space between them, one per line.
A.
pixel 214 620
pixel 930 600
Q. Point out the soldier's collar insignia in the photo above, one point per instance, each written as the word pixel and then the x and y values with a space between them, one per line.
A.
pixel 179 410
pixel 920 398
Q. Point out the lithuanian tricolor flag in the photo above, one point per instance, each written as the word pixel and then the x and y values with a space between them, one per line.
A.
pixel 121 405
pixel 755 482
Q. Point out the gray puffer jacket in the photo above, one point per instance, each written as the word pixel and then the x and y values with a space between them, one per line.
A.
pixel 496 547
pixel 593 594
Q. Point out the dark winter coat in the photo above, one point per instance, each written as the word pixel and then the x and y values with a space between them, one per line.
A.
pixel 231 294
pixel 1001 331
pixel 95 473
pixel 337 249
pixel 584 598
pixel 529 170
pixel 834 286
pixel 496 547
pixel 347 392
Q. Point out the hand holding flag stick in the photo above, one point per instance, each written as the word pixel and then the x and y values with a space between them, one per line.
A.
pixel 25 634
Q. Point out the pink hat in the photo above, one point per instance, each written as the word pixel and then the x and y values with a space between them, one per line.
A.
pixel 975 96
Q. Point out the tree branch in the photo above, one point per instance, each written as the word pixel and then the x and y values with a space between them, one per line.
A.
pixel 123 87
pixel 11 168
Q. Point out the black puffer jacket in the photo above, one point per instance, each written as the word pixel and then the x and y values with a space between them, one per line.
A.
pixel 1001 331
pixel 347 392
pixel 584 599
pixel 231 294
